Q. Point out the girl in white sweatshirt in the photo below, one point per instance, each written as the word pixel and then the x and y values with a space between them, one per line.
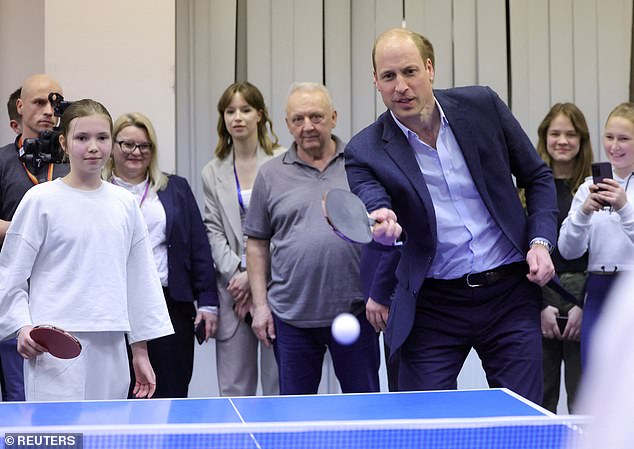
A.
pixel 77 256
pixel 601 220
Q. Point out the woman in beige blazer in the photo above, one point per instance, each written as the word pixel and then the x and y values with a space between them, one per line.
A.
pixel 244 144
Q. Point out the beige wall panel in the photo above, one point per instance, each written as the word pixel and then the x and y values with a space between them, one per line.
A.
pixel 21 54
pixel 388 14
pixel 561 35
pixel 586 70
pixel 297 52
pixel 210 68
pixel 519 96
pixel 465 60
pixel 415 15
pixel 438 28
pixel 363 92
pixel 259 49
pixel 307 38
pixel 123 60
pixel 338 71
pixel 538 73
pixel 613 56
pixel 491 41
pixel 282 70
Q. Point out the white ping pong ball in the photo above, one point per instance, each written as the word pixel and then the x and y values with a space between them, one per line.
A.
pixel 345 328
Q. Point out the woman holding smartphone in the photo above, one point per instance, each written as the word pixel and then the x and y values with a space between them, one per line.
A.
pixel 601 220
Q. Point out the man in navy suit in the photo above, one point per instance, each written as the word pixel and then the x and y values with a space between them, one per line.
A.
pixel 439 166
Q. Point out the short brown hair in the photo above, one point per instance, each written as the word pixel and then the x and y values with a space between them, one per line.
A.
pixel 424 45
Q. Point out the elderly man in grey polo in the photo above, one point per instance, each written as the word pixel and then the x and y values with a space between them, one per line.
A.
pixel 314 275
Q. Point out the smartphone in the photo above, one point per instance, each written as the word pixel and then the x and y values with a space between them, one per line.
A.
pixel 200 332
pixel 600 171
pixel 248 319
pixel 562 321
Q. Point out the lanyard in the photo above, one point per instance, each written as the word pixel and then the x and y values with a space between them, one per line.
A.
pixel 240 200
pixel 147 188
pixel 34 180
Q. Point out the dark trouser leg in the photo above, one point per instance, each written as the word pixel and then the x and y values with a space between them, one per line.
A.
pixel 11 371
pixel 357 365
pixel 172 356
pixel 299 353
pixel 391 367
pixel 552 350
pixel 501 322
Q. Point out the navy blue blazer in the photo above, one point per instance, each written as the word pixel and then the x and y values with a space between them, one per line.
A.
pixel 191 273
pixel 377 268
pixel 382 170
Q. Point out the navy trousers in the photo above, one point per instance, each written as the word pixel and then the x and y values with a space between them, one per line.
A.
pixel 11 371
pixel 299 353
pixel 501 322
pixel 597 290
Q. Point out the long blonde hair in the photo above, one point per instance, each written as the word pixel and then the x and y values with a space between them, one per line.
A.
pixel 158 179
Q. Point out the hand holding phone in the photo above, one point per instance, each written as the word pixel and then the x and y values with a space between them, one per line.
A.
pixel 199 331
pixel 562 321
pixel 601 171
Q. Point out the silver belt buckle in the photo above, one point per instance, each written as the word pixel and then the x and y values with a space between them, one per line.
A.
pixel 469 282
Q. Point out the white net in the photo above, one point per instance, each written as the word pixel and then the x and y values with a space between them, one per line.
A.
pixel 545 432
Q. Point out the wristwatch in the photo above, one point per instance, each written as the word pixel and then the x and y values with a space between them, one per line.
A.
pixel 543 242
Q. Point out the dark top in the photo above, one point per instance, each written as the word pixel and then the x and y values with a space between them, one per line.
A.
pixel 191 274
pixel 564 200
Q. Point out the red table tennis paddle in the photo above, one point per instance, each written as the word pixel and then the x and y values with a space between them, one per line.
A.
pixel 347 216
pixel 57 342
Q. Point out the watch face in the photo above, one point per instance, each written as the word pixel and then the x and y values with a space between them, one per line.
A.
pixel 542 242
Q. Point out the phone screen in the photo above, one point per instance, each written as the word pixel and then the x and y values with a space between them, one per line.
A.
pixel 600 171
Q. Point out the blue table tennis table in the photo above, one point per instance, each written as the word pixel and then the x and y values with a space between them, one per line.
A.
pixel 491 419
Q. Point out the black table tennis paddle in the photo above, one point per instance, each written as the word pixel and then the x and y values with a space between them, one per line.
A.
pixel 347 216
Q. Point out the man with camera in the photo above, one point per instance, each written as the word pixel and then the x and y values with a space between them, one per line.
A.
pixel 18 171
pixel 21 167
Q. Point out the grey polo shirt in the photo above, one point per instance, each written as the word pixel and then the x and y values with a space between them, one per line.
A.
pixel 314 273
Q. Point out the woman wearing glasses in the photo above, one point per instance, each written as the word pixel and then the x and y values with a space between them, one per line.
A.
pixel 244 144
pixel 180 246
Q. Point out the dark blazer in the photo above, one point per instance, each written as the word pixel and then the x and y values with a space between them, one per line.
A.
pixel 191 274
pixel 382 170
pixel 377 268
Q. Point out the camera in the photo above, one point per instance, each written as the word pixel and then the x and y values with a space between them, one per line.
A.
pixel 45 148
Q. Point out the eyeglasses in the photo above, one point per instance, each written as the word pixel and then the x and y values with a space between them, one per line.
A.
pixel 128 147
pixel 315 118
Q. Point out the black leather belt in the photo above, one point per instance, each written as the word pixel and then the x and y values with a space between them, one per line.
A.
pixel 483 279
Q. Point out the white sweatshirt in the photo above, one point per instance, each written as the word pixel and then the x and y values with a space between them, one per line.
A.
pixel 89 262
pixel 607 235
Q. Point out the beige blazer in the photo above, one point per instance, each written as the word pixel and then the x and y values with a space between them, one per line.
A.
pixel 222 220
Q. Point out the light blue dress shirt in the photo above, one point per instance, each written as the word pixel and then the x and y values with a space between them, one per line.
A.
pixel 469 240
